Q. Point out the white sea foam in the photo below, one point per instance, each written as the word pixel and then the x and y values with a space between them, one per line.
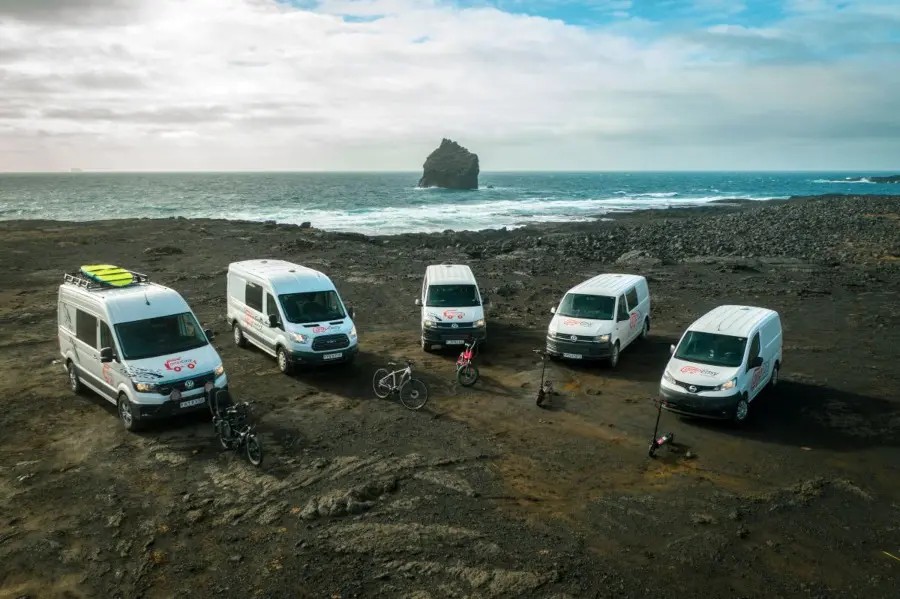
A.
pixel 862 180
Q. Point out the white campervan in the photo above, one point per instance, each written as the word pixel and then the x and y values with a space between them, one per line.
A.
pixel 138 346
pixel 599 318
pixel 722 362
pixel 289 311
pixel 452 306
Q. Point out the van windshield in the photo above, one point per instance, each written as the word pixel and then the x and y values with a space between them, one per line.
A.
pixel 312 306
pixel 713 349
pixel 594 307
pixel 160 336
pixel 452 296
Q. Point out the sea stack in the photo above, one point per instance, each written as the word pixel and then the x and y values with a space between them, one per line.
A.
pixel 450 166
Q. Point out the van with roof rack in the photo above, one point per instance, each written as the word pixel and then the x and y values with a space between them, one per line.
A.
pixel 598 318
pixel 722 362
pixel 135 343
pixel 452 307
pixel 291 312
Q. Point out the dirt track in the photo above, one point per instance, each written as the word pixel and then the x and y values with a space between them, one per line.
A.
pixel 482 494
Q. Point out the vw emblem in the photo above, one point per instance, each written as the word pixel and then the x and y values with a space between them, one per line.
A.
pixel 454 326
pixel 189 384
pixel 692 389
pixel 574 337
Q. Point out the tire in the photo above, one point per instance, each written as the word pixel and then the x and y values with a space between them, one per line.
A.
pixel 413 394
pixel 426 347
pixel 741 410
pixel 467 375
pixel 238 336
pixel 126 416
pixel 284 363
pixel 254 450
pixel 381 391
pixel 614 356
pixel 74 382
pixel 540 398
pixel 773 378
pixel 225 435
pixel 645 332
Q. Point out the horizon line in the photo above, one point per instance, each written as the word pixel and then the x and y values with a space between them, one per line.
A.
pixel 81 171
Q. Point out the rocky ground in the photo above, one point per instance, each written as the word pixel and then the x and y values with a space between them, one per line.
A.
pixel 481 494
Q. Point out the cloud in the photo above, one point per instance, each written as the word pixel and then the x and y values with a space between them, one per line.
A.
pixel 375 84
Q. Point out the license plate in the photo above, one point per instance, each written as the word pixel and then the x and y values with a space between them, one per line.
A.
pixel 575 356
pixel 192 402
pixel 332 356
pixel 455 341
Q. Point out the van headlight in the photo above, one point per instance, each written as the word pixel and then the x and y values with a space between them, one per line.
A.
pixel 668 377
pixel 430 324
pixel 602 338
pixel 479 323
pixel 726 386
pixel 220 370
pixel 145 387
pixel 353 332
pixel 300 338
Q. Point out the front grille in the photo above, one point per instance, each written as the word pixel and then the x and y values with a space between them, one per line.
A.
pixel 696 388
pixel 181 385
pixel 568 337
pixel 329 342
pixel 454 325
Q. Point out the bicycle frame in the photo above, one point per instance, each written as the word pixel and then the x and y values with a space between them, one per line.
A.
pixel 405 375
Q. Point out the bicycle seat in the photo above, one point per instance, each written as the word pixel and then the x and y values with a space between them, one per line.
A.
pixel 391 363
pixel 409 362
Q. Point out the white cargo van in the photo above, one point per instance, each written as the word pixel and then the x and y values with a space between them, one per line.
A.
pixel 289 311
pixel 452 307
pixel 599 318
pixel 138 346
pixel 722 362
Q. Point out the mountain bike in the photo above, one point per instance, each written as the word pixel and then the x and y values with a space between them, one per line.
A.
pixel 413 392
pixel 546 388
pixel 466 371
pixel 231 422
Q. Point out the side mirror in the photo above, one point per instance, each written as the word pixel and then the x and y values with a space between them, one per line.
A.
pixel 209 334
pixel 106 355
pixel 672 349
pixel 351 312
pixel 273 320
pixel 552 309
pixel 418 302
pixel 755 363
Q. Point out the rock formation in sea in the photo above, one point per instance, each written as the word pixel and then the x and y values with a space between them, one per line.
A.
pixel 887 179
pixel 450 166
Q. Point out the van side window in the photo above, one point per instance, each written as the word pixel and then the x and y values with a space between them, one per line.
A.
pixel 106 338
pixel 754 348
pixel 86 328
pixel 271 306
pixel 632 298
pixel 253 297
pixel 623 311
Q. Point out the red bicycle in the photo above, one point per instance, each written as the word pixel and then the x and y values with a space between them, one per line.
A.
pixel 466 371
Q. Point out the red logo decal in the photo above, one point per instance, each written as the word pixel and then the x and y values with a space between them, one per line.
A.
pixel 451 314
pixel 178 364
pixel 757 377
pixel 573 321
pixel 632 322
pixel 691 370
pixel 107 373
pixel 320 329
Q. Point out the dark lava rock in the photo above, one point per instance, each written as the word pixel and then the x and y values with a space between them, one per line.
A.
pixel 450 166
pixel 165 250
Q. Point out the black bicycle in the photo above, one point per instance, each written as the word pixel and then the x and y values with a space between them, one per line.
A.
pixel 232 424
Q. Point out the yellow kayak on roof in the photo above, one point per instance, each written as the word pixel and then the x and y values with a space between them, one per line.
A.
pixel 108 274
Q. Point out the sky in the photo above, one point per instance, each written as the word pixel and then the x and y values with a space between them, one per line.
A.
pixel 371 85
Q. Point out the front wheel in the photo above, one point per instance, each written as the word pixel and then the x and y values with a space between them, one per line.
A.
pixel 413 394
pixel 284 363
pixel 225 434
pixel 773 380
pixel 74 382
pixel 614 356
pixel 239 338
pixel 123 406
pixel 467 375
pixel 254 450
pixel 380 385
pixel 741 410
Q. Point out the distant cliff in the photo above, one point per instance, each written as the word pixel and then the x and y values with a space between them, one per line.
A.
pixel 450 166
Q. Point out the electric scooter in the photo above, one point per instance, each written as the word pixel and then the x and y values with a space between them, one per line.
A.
pixel 546 388
pixel 657 442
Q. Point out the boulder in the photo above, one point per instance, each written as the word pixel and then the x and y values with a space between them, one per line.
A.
pixel 450 166
pixel 638 258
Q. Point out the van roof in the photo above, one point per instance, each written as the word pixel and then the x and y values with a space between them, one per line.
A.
pixel 450 274
pixel 285 277
pixel 134 302
pixel 612 284
pixel 737 321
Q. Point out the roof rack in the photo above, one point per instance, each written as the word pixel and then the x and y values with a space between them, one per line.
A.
pixel 80 280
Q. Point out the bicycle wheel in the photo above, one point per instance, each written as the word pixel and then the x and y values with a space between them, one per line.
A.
pixel 380 384
pixel 413 394
pixel 225 435
pixel 467 375
pixel 254 450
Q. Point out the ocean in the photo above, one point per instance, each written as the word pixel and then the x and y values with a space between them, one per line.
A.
pixel 390 203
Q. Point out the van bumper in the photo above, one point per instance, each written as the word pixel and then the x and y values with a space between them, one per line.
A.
pixel 442 337
pixel 169 408
pixel 692 404
pixel 587 350
pixel 313 357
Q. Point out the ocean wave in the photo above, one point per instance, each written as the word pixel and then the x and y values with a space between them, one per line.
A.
pixel 861 180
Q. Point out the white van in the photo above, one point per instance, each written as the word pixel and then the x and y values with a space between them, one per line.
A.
pixel 722 362
pixel 289 311
pixel 599 318
pixel 138 346
pixel 452 307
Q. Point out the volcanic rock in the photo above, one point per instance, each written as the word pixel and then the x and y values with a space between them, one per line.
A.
pixel 450 166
